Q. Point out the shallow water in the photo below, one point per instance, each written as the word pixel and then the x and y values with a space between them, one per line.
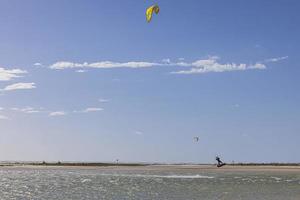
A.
pixel 68 183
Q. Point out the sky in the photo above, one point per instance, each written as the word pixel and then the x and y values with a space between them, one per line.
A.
pixel 88 80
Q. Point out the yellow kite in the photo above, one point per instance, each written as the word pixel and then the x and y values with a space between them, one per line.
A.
pixel 150 10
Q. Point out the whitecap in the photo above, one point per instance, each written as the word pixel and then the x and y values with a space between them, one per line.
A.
pixel 86 180
pixel 162 176
pixel 187 176
pixel 276 178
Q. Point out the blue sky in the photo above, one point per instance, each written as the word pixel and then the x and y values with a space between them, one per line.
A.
pixel 93 81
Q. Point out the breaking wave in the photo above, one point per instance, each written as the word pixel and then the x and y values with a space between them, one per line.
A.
pixel 161 176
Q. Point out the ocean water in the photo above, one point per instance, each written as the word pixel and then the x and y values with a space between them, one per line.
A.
pixel 71 183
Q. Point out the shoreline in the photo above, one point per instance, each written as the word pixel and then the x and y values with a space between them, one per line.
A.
pixel 156 167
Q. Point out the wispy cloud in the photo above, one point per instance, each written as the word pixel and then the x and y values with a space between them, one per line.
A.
pixel 9 74
pixel 212 65
pixel 103 100
pixel 87 110
pixel 57 113
pixel 102 64
pixel 3 117
pixel 81 71
pixel 276 59
pixel 257 46
pixel 19 86
pixel 139 132
pixel 31 110
pixel 236 105
pixel 116 80
pixel 37 64
pixel 28 110
pixel 166 60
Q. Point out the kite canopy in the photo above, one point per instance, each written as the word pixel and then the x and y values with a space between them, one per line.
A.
pixel 196 139
pixel 150 11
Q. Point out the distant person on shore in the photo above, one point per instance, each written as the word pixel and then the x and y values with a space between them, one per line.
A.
pixel 220 163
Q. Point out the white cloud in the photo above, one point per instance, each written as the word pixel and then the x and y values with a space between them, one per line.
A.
pixel 80 71
pixel 103 100
pixel 257 66
pixel 139 133
pixel 9 74
pixel 33 111
pixel 87 110
pixel 257 46
pixel 103 65
pixel 212 65
pixel 276 59
pixel 57 113
pixel 166 60
pixel 93 109
pixel 3 117
pixel 38 64
pixel 236 105
pixel 28 110
pixel 116 80
pixel 20 86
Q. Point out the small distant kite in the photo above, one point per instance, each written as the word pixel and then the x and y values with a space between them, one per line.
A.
pixel 196 139
pixel 150 11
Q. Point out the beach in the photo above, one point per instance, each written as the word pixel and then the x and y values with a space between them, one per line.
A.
pixel 165 167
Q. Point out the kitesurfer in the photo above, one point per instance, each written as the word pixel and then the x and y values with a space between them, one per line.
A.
pixel 220 163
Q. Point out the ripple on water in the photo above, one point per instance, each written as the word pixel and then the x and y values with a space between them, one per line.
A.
pixel 106 184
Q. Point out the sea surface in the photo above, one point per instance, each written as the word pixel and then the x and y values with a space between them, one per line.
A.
pixel 71 183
